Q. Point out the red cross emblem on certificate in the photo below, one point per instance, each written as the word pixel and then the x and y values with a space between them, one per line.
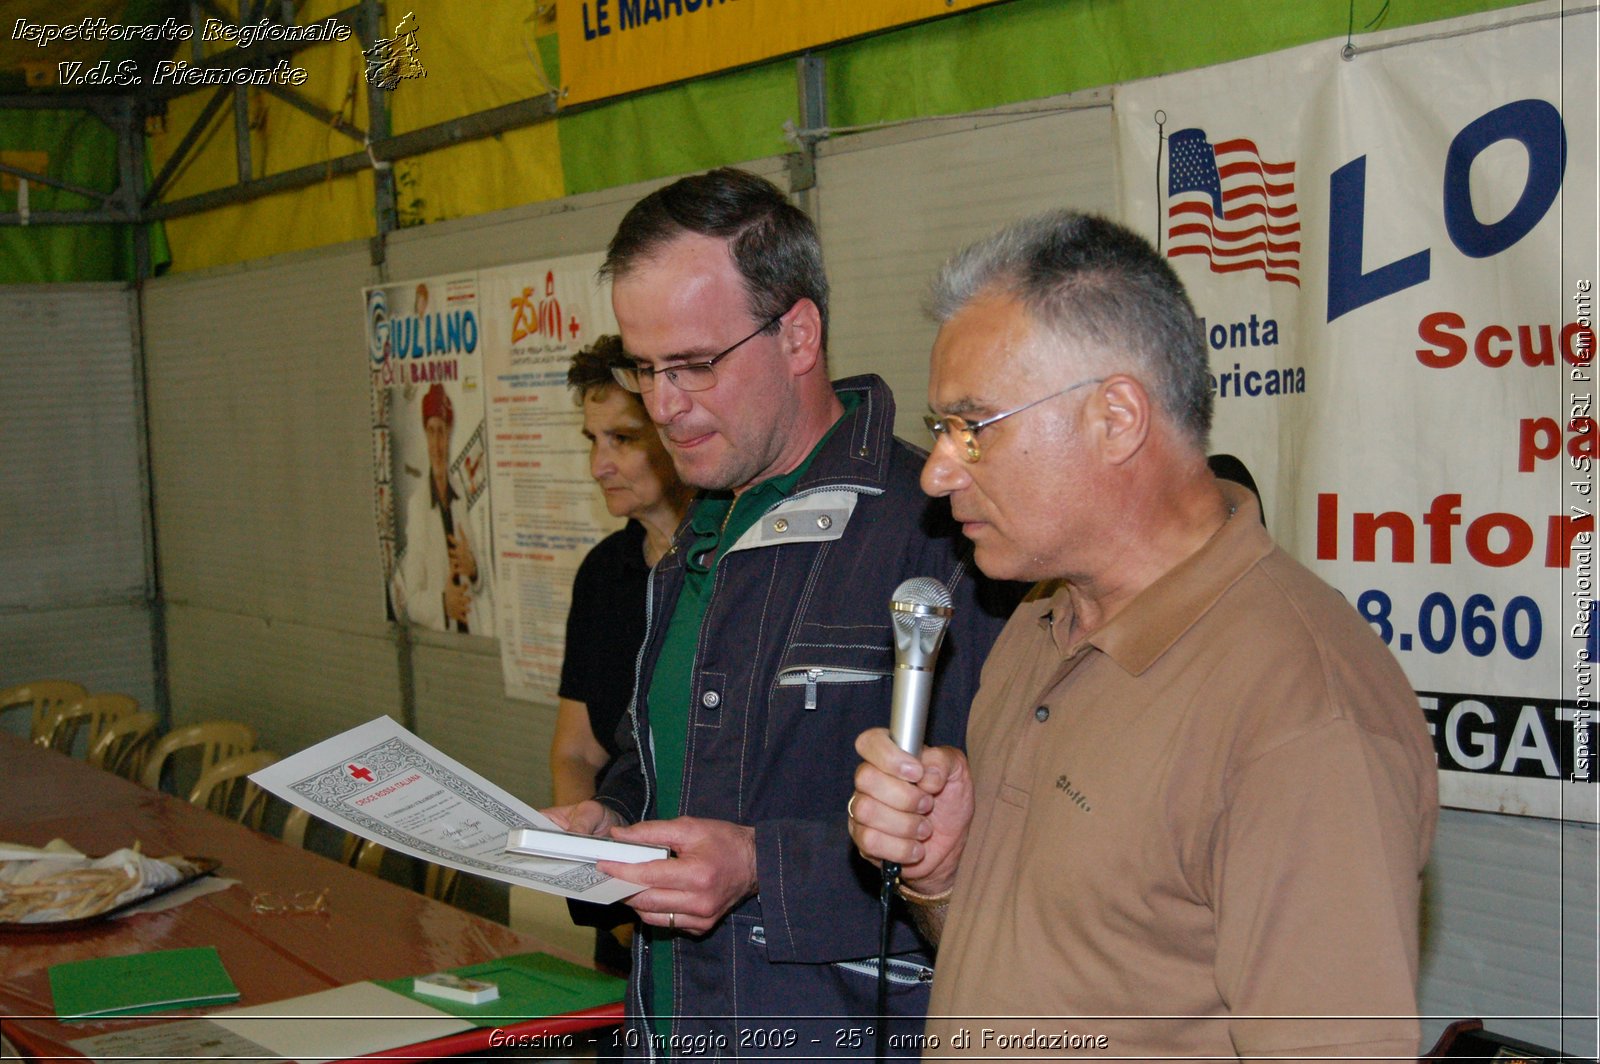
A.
pixel 360 772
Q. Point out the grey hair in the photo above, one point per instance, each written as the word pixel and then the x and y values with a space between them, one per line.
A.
pixel 1087 279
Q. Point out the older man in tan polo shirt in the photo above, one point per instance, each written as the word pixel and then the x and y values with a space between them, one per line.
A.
pixel 1198 792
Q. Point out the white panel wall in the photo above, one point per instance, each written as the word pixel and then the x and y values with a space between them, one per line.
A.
pixel 73 558
pixel 1511 929
pixel 261 459
pixel 895 204
pixel 294 681
pixel 462 708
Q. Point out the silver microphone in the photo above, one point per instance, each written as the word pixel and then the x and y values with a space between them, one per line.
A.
pixel 920 609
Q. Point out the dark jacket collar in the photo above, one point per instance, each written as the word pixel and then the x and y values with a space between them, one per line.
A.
pixel 856 455
pixel 858 452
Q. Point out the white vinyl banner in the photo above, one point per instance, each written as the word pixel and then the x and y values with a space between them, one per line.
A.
pixel 1394 251
pixel 547 510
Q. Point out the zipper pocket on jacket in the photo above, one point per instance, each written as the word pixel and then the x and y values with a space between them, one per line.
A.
pixel 812 675
pixel 902 973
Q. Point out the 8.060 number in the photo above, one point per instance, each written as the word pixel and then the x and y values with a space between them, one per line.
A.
pixel 1520 628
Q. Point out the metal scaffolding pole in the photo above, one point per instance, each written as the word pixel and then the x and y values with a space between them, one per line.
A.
pixel 811 80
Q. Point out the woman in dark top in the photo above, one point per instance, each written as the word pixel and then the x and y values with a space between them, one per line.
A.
pixel 605 625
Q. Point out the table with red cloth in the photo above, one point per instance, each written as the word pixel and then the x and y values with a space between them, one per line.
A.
pixel 372 930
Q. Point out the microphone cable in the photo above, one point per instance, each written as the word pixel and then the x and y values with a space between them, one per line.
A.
pixel 891 875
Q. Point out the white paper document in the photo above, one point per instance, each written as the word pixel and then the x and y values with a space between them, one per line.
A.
pixel 178 1040
pixel 382 783
pixel 338 1024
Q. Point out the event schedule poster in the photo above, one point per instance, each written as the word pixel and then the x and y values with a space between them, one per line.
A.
pixel 547 511
pixel 1394 254
pixel 382 783
pixel 430 452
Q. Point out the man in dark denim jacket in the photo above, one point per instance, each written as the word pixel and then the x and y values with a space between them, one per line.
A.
pixel 769 643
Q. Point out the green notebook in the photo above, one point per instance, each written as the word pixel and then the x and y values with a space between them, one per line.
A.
pixel 141 982
pixel 531 984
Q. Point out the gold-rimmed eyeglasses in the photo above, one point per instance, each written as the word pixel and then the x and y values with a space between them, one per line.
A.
pixel 300 903
pixel 966 431
pixel 685 376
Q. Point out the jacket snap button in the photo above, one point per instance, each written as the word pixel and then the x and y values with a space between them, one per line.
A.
pixel 824 522
pixel 710 700
pixel 780 525
pixel 1041 714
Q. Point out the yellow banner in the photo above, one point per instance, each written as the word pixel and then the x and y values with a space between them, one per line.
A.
pixel 609 47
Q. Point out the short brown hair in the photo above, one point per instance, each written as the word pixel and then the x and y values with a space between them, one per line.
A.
pixel 591 367
pixel 773 243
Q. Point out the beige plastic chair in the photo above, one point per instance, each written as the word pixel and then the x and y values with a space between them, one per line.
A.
pixel 39 697
pixel 63 724
pixel 296 826
pixel 211 740
pixel 226 790
pixel 438 882
pixel 124 744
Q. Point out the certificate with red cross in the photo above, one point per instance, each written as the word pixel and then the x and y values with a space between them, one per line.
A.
pixel 382 783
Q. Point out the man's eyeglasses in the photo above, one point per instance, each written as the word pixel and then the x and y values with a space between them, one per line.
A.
pixel 685 376
pixel 967 431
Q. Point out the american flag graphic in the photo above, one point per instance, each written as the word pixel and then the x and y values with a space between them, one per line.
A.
pixel 1227 203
